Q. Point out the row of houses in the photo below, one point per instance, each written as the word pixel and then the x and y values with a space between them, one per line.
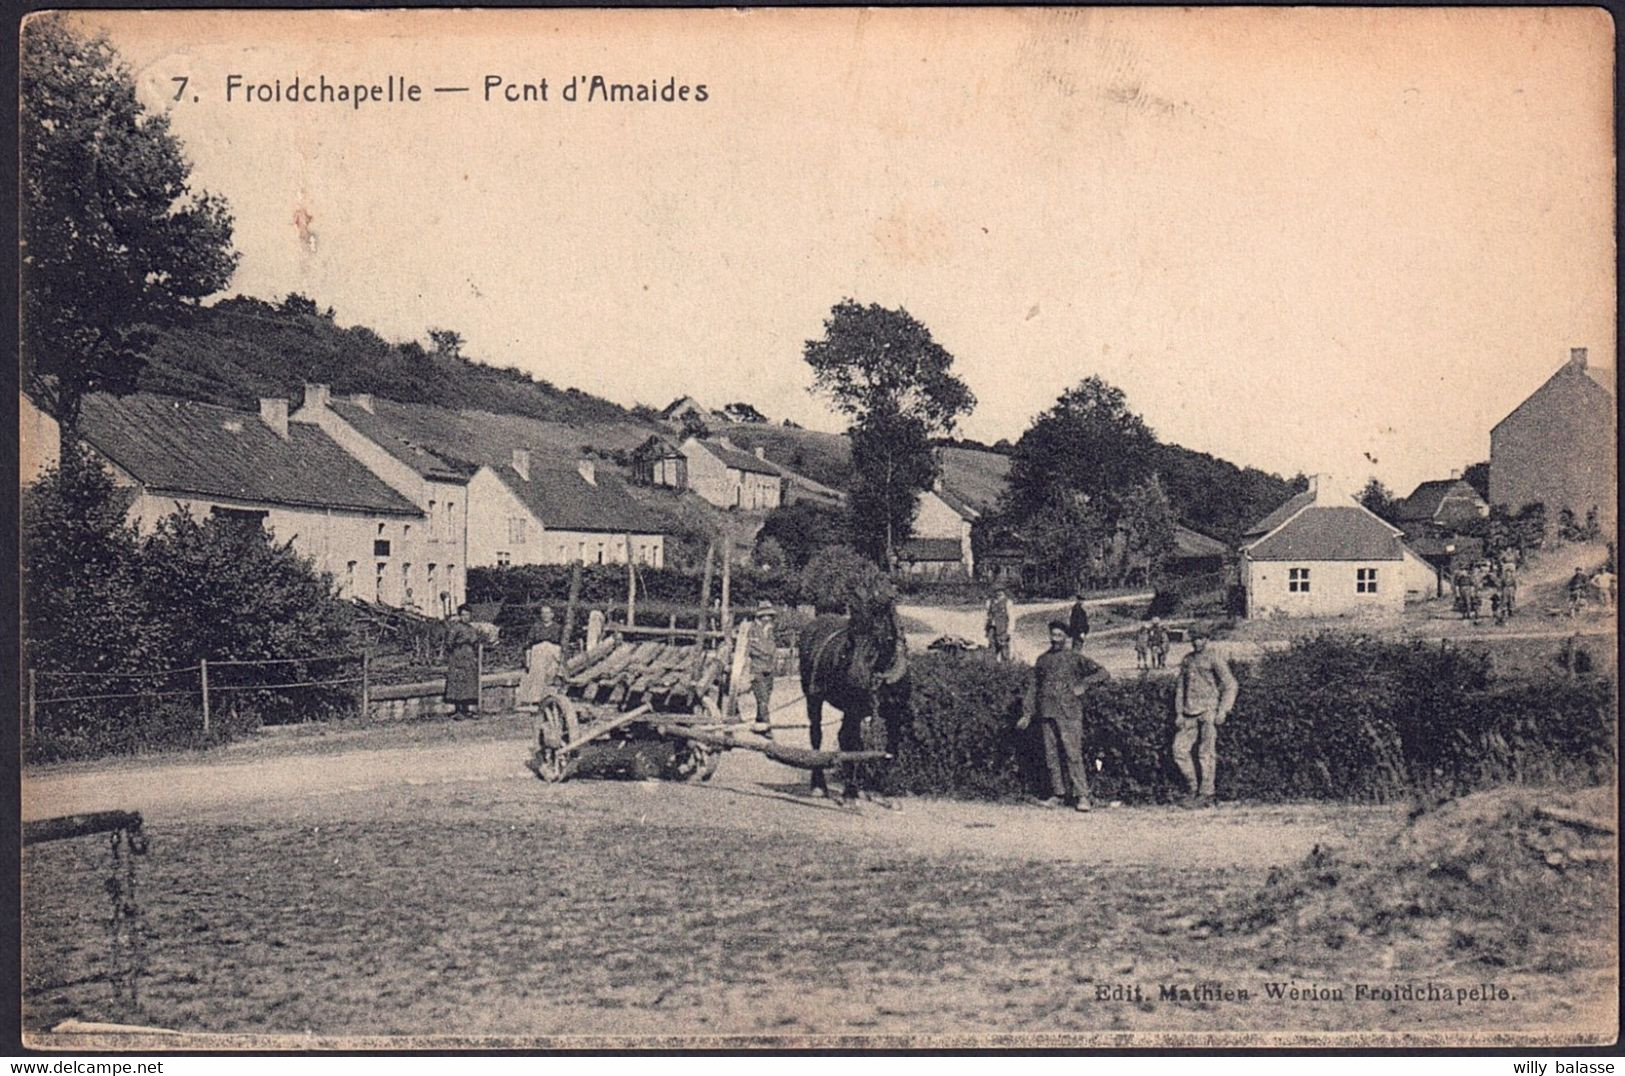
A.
pixel 395 501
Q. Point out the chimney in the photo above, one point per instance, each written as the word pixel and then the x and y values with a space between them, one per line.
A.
pixel 363 400
pixel 761 453
pixel 1577 357
pixel 274 413
pixel 588 470
pixel 1327 490
pixel 1455 474
pixel 317 396
pixel 521 462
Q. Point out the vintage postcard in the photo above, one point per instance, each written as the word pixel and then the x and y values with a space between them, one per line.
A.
pixel 841 527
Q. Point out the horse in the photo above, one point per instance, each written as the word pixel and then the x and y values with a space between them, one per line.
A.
pixel 859 665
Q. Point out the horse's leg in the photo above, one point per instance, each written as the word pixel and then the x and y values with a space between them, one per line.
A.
pixel 815 737
pixel 850 738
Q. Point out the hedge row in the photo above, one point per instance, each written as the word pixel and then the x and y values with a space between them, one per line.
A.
pixel 1333 718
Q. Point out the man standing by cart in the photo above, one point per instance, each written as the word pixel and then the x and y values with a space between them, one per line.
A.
pixel 762 652
pixel 1203 698
pixel 1054 693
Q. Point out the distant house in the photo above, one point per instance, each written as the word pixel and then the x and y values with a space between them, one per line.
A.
pixel 1195 553
pixel 730 477
pixel 685 408
pixel 264 470
pixel 1440 506
pixel 38 441
pixel 526 512
pixel 1324 554
pixel 438 578
pixel 1557 447
pixel 658 462
pixel 968 485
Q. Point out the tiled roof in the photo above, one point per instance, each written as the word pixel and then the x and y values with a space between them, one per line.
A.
pixel 1280 515
pixel 1189 543
pixel 182 446
pixel 1324 532
pixel 738 459
pixel 389 435
pixel 1444 498
pixel 563 500
pixel 930 549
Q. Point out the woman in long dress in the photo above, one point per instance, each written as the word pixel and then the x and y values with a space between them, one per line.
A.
pixel 463 663
pixel 541 659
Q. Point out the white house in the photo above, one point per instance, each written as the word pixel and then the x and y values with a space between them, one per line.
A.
pixel 438 488
pixel 1324 554
pixel 265 470
pixel 525 512
pixel 730 477
pixel 940 545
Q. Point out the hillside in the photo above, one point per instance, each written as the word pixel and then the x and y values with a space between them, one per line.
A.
pixel 243 348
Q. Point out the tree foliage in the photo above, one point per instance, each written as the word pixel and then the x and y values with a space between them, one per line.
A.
pixel 1378 499
pixel 882 369
pixel 114 240
pixel 1088 443
pixel 803 528
pixel 740 411
pixel 1477 475
pixel 837 578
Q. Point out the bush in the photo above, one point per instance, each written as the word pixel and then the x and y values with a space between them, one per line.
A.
pixel 1333 718
pixel 173 725
pixel 605 585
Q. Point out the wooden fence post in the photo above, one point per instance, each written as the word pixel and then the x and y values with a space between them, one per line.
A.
pixel 33 721
pixel 366 681
pixel 203 678
pixel 570 607
pixel 631 586
pixel 479 677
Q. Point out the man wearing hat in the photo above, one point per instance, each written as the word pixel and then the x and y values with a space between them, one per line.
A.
pixel 1203 698
pixel 1054 693
pixel 762 651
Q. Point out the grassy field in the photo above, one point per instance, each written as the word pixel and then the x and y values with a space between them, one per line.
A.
pixel 488 909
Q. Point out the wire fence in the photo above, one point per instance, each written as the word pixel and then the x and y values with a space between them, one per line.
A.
pixel 319 682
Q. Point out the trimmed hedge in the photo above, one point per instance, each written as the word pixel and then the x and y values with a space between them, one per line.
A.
pixel 1348 718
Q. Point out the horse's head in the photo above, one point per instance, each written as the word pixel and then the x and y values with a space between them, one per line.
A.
pixel 879 652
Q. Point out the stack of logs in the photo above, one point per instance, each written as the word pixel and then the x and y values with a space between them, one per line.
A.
pixel 669 677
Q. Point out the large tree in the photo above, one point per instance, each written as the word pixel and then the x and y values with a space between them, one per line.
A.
pixel 114 240
pixel 882 369
pixel 1089 443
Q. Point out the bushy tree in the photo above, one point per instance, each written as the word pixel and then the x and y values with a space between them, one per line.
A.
pixel 224 589
pixel 837 578
pixel 882 369
pixel 1089 443
pixel 83 606
pixel 114 241
pixel 1146 524
pixel 802 528
pixel 1378 499
pixel 1478 476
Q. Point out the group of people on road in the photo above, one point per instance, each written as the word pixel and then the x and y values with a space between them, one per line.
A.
pixel 997 626
pixel 1493 583
pixel 1151 645
pixel 1582 587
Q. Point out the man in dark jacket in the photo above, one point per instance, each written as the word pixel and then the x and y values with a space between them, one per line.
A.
pixel 1079 621
pixel 1054 693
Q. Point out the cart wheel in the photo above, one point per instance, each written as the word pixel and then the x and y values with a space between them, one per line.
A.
pixel 556 728
pixel 695 760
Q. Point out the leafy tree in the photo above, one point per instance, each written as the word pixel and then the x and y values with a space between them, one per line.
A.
pixel 114 241
pixel 226 590
pixel 694 426
pixel 448 343
pixel 882 369
pixel 836 578
pixel 770 555
pixel 1378 499
pixel 1089 443
pixel 83 608
pixel 802 528
pixel 1478 476
pixel 1147 528
pixel 1064 544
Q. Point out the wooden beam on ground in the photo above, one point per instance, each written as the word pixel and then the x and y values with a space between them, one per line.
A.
pixel 800 757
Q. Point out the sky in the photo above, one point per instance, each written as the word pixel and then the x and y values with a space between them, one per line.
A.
pixel 1329 241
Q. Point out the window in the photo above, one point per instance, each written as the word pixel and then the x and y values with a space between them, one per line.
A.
pixel 504 559
pixel 516 530
pixel 245 519
pixel 380 547
pixel 1297 580
pixel 406 531
pixel 1365 580
pixel 349 580
pixel 380 528
pixel 378 583
pixel 434 524
pixel 406 584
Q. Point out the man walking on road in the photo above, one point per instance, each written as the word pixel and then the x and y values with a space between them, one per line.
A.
pixel 1203 698
pixel 1054 693
pixel 998 625
pixel 1158 639
pixel 1079 621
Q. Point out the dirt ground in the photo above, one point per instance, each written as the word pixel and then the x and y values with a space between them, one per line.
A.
pixel 418 881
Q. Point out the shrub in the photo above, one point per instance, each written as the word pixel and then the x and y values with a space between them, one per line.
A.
pixel 1333 718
